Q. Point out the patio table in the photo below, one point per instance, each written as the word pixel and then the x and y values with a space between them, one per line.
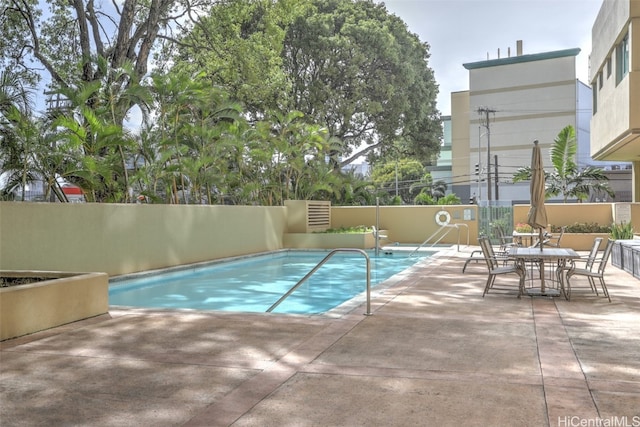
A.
pixel 560 257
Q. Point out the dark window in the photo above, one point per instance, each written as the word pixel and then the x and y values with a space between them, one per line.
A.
pixel 600 80
pixel 622 59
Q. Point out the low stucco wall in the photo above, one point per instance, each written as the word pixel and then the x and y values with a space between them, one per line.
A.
pixel 119 238
pixel 66 298
pixel 329 240
pixel 570 213
pixel 410 224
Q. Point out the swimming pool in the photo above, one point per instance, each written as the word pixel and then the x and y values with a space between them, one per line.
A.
pixel 254 283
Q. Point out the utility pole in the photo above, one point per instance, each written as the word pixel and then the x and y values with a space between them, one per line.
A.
pixel 495 160
pixel 479 165
pixel 484 120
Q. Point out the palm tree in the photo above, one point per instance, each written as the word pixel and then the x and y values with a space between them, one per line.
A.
pixel 19 136
pixel 566 179
pixel 430 192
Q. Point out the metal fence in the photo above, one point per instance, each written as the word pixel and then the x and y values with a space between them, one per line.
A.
pixel 495 214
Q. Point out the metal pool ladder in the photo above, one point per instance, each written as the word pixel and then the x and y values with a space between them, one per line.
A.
pixel 320 264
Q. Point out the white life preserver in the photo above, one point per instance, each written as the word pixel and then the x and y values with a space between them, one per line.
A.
pixel 442 222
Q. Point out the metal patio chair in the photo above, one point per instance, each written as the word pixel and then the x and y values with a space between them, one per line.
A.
pixel 478 256
pixel 592 273
pixel 495 267
pixel 587 262
pixel 552 241
pixel 505 241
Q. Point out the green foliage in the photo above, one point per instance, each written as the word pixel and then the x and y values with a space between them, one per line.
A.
pixel 351 67
pixel 424 199
pixel 582 227
pixel 449 199
pixel 82 41
pixel 395 201
pixel 413 184
pixel 357 70
pixel 14 37
pixel 622 231
pixel 566 180
pixel 239 44
pixel 288 85
pixel 348 230
pixel 403 173
pixel 356 191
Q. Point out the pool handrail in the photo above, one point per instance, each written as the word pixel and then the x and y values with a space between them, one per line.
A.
pixel 320 264
pixel 448 228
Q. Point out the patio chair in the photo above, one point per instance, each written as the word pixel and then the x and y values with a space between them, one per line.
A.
pixel 552 241
pixel 495 269
pixel 505 241
pixel 587 263
pixel 592 273
pixel 478 255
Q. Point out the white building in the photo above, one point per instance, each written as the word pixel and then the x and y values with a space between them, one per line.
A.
pixel 511 102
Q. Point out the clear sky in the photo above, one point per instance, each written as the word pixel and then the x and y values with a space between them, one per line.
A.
pixel 461 31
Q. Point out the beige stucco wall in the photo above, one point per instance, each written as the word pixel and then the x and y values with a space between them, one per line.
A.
pixel 66 298
pixel 616 121
pixel 119 238
pixel 409 224
pixel 462 161
pixel 570 213
pixel 611 19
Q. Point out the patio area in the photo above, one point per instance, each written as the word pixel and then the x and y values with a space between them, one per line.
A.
pixel 434 352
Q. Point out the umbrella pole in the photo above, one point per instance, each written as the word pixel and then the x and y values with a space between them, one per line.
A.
pixel 540 236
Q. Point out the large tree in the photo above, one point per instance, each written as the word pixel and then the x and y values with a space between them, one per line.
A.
pixel 358 70
pixel 64 42
pixel 347 65
pixel 239 46
pixel 398 177
pixel 93 56
pixel 362 81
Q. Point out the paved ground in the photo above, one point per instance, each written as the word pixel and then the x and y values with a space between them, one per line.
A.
pixel 434 353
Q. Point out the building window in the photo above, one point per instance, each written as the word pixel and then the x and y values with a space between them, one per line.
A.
pixel 600 80
pixel 622 59
pixel 608 67
pixel 594 93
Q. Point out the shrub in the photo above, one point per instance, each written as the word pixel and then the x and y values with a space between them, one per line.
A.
pixel 582 227
pixel 622 231
pixel 356 229
pixel 523 228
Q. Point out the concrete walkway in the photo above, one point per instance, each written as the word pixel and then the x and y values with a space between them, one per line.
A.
pixel 434 353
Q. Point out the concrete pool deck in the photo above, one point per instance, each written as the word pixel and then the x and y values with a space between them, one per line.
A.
pixel 434 352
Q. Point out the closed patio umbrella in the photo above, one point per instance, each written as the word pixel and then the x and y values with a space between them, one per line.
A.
pixel 537 217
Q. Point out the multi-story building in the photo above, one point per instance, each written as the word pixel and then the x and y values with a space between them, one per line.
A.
pixel 614 73
pixel 441 170
pixel 512 102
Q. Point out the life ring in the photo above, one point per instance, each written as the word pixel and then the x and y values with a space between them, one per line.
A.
pixel 442 222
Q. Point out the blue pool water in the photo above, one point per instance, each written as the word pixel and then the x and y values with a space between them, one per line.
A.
pixel 253 284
